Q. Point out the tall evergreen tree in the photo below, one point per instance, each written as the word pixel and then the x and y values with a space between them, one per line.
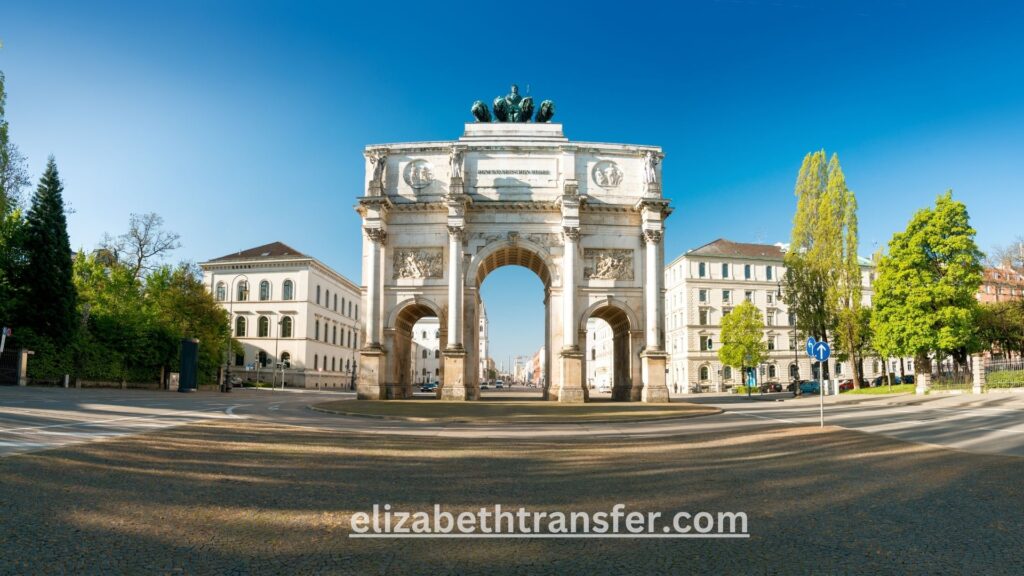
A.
pixel 46 290
pixel 925 293
pixel 13 173
pixel 822 267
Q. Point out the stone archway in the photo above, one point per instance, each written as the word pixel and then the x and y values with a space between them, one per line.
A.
pixel 626 343
pixel 587 218
pixel 398 340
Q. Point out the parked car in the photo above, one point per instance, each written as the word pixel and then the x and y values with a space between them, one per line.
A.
pixel 810 387
pixel 908 379
pixel 771 387
pixel 845 385
pixel 499 384
pixel 429 387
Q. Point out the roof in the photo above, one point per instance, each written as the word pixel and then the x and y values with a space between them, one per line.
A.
pixel 728 248
pixel 272 250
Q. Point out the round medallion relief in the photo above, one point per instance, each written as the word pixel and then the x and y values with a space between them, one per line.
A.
pixel 606 174
pixel 419 174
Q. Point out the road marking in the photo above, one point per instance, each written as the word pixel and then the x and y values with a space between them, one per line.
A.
pixel 752 415
pixel 96 422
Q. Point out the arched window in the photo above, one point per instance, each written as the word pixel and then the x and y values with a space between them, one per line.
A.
pixel 771 371
pixel 424 353
pixel 327 304
pixel 342 304
pixel 593 353
pixel 332 363
pixel 316 361
pixel 794 372
pixel 286 327
pixel 437 353
pixel 347 365
pixel 318 294
pixel 240 327
pixel 316 331
pixel 263 327
pixel 703 372
pixel 288 290
pixel 243 291
pixel 286 359
pixel 335 302
pixel 262 359
pixel 334 334
pixel 727 372
pixel 221 292
pixel 264 290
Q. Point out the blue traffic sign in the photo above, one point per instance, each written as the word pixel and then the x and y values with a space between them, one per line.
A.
pixel 810 346
pixel 822 351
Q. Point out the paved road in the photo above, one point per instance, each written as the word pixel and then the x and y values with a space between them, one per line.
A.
pixel 40 418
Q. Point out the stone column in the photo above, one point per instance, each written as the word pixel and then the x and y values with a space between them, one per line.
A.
pixel 654 358
pixel 571 389
pixel 455 283
pixel 978 368
pixel 370 383
pixel 454 386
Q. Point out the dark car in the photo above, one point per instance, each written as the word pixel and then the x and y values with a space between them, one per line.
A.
pixel 908 379
pixel 429 387
pixel 810 387
pixel 771 387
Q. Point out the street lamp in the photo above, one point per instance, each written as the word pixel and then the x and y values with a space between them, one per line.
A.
pixel 226 385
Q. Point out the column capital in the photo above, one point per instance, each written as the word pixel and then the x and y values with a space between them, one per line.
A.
pixel 653 236
pixel 571 233
pixel 456 233
pixel 376 235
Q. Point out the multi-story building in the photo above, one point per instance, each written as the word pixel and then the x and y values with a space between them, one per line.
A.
pixel 705 283
pixel 426 351
pixel 297 319
pixel 600 354
pixel 1001 284
pixel 486 363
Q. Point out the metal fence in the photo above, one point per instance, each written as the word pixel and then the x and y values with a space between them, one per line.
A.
pixel 1004 374
pixel 952 380
pixel 9 365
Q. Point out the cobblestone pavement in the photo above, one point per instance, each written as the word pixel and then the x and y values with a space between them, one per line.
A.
pixel 247 497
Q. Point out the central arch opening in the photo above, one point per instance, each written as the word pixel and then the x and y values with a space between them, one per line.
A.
pixel 418 339
pixel 511 339
pixel 609 362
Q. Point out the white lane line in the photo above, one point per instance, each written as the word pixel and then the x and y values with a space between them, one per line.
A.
pixel 96 422
pixel 230 411
pixel 752 415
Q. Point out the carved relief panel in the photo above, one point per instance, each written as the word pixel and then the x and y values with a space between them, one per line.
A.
pixel 416 263
pixel 608 264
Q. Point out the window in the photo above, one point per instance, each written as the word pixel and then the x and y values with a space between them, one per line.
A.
pixel 726 311
pixel 437 371
pixel 264 290
pixel 839 368
pixel 286 359
pixel 240 327
pixel 316 331
pixel 746 271
pixel 288 290
pixel 349 338
pixel 327 304
pixel 316 361
pixel 424 353
pixel 792 342
pixel 727 372
pixel 702 270
pixel 342 304
pixel 318 294
pixel 239 359
pixel 771 371
pixel 771 343
pixel 286 327
pixel 725 270
pixel 769 297
pixel 726 296
pixel 748 295
pixel 334 334
pixel 706 343
pixel 335 302
pixel 792 319
pixel 243 291
pixel 702 295
pixel 874 366
pixel 593 353
pixel 768 272
pixel 704 317
pixel 794 372
pixel 262 359
pixel 703 373
pixel 437 354
pixel 333 359
pixel 424 334
pixel 770 319
pixel 221 292
pixel 263 327
pixel 350 310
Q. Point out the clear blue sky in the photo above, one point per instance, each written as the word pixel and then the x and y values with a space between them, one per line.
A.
pixel 243 122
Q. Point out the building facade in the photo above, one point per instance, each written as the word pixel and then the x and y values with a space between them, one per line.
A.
pixel 601 354
pixel 1001 284
pixel 426 351
pixel 297 320
pixel 705 283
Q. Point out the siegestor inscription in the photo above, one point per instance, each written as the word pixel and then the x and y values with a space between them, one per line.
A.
pixel 508 172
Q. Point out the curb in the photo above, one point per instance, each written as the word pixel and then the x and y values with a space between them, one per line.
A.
pixel 421 420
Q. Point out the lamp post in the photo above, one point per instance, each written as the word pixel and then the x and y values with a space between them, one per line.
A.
pixel 226 385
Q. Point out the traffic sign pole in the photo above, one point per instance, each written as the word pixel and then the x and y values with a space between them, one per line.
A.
pixel 821 400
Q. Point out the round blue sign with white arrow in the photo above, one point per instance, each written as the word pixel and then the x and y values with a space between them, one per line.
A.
pixel 822 351
pixel 810 346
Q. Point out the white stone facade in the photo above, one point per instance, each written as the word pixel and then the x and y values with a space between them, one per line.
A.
pixel 601 351
pixel 705 283
pixel 286 307
pixel 587 218
pixel 426 351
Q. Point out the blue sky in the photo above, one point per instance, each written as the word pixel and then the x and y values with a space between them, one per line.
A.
pixel 243 122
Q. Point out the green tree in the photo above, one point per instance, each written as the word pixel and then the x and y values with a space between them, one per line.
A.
pixel 823 282
pixel 1001 326
pixel 742 338
pixel 13 179
pixel 46 297
pixel 925 291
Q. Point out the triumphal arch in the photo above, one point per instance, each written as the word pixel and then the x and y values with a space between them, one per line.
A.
pixel 587 218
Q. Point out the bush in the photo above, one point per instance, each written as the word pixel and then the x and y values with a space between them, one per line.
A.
pixel 1005 379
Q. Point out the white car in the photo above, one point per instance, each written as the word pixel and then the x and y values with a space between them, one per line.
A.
pixel 499 384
